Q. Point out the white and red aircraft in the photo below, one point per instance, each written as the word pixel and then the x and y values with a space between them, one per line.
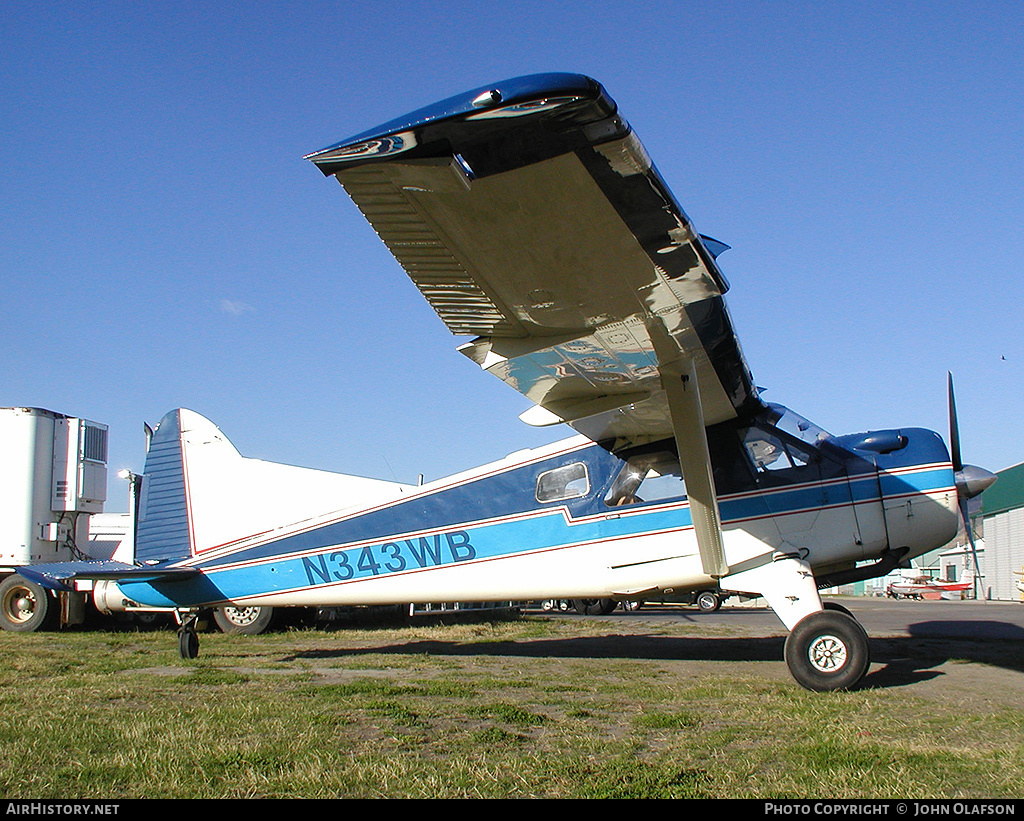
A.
pixel 533 221
pixel 921 586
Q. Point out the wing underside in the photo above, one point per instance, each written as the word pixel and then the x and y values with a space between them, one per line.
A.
pixel 531 219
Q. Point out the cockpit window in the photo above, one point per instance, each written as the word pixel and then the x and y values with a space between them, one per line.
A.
pixel 777 459
pixel 648 477
pixel 768 452
pixel 566 482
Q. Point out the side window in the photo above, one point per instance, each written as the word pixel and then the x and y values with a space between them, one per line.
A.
pixel 566 482
pixel 768 452
pixel 649 477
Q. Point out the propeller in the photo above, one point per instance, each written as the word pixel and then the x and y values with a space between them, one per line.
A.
pixel 970 480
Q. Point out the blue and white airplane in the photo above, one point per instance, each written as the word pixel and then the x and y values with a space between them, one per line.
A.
pixel 534 223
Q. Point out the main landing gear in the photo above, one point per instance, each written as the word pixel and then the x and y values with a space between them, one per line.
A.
pixel 828 650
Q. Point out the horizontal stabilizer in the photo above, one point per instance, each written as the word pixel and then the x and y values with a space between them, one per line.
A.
pixel 62 575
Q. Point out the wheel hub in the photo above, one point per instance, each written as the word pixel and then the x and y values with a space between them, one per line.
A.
pixel 827 653
pixel 21 605
pixel 242 615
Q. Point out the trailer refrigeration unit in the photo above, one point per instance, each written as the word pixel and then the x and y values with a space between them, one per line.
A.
pixel 53 477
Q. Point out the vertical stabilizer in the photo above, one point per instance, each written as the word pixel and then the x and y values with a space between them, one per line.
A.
pixel 163 523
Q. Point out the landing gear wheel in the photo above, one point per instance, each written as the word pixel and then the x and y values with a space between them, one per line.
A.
pixel 708 601
pixel 827 650
pixel 188 641
pixel 188 644
pixel 250 621
pixel 831 605
pixel 594 607
pixel 24 605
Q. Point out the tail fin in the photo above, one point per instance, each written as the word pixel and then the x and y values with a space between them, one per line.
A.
pixel 199 492
pixel 163 531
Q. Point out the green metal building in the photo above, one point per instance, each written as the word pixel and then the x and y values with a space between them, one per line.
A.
pixel 1000 524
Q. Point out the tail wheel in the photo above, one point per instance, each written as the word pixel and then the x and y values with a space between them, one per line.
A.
pixel 827 650
pixel 188 640
pixel 25 606
pixel 188 644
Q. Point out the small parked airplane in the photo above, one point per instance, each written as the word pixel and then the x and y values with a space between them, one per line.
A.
pixel 921 586
pixel 533 221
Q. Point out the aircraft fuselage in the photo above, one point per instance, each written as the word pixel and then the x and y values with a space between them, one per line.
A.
pixel 575 520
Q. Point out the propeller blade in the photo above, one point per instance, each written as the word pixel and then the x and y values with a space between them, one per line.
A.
pixel 971 481
pixel 954 427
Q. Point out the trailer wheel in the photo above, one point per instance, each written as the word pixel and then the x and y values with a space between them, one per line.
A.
pixel 594 607
pixel 827 650
pixel 708 601
pixel 25 606
pixel 249 621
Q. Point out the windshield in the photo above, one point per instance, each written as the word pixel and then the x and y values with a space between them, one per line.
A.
pixel 795 425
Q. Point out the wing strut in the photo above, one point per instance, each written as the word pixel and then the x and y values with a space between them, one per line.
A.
pixel 679 379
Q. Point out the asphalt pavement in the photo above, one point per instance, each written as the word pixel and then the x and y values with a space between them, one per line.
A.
pixel 879 616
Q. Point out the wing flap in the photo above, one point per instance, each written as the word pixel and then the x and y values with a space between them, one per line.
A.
pixel 460 299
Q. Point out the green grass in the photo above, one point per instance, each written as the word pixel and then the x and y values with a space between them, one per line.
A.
pixel 430 712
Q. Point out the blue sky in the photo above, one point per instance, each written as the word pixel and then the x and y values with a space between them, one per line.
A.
pixel 163 243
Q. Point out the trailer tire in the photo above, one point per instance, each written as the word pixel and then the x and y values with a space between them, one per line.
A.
pixel 248 621
pixel 25 606
pixel 594 607
pixel 708 601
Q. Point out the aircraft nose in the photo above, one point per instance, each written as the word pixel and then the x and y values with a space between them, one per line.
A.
pixel 972 480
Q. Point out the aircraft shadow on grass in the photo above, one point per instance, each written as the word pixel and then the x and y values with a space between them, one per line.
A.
pixel 897 661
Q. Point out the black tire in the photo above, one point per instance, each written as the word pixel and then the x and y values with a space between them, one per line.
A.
pixel 594 607
pixel 827 650
pixel 248 621
pixel 708 601
pixel 25 606
pixel 831 605
pixel 188 644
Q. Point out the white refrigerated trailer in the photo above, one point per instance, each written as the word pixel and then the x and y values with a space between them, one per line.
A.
pixel 53 477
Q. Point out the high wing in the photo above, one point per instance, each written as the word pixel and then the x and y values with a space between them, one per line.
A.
pixel 530 217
